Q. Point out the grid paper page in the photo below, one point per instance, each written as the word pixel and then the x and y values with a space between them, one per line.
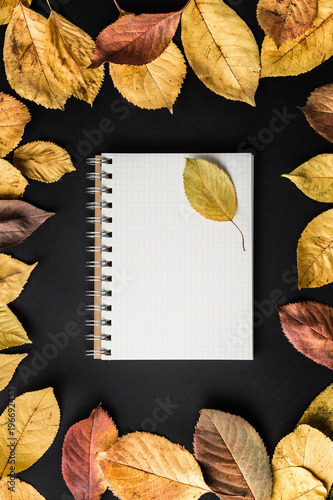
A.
pixel 181 284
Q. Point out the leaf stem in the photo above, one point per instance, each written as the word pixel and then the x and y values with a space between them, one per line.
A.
pixel 242 235
pixel 116 4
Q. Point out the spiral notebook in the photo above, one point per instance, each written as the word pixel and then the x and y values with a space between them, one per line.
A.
pixel 167 283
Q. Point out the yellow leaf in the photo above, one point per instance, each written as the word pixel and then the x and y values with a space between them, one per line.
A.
pixel 142 465
pixel 155 85
pixel 7 7
pixel 303 53
pixel 25 63
pixel 297 483
pixel 14 116
pixel 308 448
pixel 315 178
pixel 22 491
pixel 12 332
pixel 12 182
pixel 8 365
pixel 69 51
pixel 320 412
pixel 43 161
pixel 221 49
pixel 13 276
pixel 314 252
pixel 37 418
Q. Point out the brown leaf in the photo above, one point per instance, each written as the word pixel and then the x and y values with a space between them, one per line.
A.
pixel 232 456
pixel 320 412
pixel 309 328
pixel 284 20
pixel 12 182
pixel 13 118
pixel 13 276
pixel 80 469
pixel 18 220
pixel 319 111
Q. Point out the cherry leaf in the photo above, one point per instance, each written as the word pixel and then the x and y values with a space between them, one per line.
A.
pixel 319 111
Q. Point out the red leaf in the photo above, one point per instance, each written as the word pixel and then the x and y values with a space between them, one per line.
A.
pixel 82 442
pixel 309 327
pixel 319 111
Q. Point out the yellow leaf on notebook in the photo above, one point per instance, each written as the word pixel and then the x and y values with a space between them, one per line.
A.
pixel 22 491
pixel 14 116
pixel 12 182
pixel 297 483
pixel 12 332
pixel 13 276
pixel 8 365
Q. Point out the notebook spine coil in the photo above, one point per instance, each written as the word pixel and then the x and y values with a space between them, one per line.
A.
pixel 99 262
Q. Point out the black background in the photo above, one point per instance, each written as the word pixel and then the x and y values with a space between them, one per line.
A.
pixel 272 391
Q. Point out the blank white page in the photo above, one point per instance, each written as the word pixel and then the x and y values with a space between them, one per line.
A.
pixel 181 284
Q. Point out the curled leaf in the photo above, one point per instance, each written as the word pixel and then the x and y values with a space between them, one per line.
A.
pixel 12 332
pixel 43 161
pixel 320 412
pixel 13 276
pixel 155 85
pixel 14 116
pixel 12 182
pixel 80 468
pixel 21 490
pixel 319 111
pixel 232 455
pixel 8 365
pixel 7 7
pixel 297 483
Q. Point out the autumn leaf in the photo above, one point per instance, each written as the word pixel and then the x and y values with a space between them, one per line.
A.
pixel 25 63
pixel 12 333
pixel 22 491
pixel 18 220
pixel 303 53
pixel 314 252
pixel 210 191
pixel 68 52
pixel 315 178
pixel 43 161
pixel 287 19
pixel 232 456
pixel 13 276
pixel 309 328
pixel 37 418
pixel 80 469
pixel 7 7
pixel 148 466
pixel 297 483
pixel 152 86
pixel 8 365
pixel 319 111
pixel 12 182
pixel 320 412
pixel 221 49
pixel 13 118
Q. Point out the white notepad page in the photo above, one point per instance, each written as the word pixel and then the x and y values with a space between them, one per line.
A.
pixel 181 284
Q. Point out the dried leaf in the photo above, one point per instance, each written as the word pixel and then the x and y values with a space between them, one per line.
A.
pixel 314 252
pixel 142 465
pixel 221 49
pixel 297 483
pixel 43 161
pixel 8 365
pixel 284 20
pixel 320 412
pixel 22 491
pixel 309 328
pixel 319 111
pixel 7 7
pixel 155 85
pixel 13 276
pixel 303 53
pixel 18 220
pixel 308 448
pixel 315 178
pixel 80 469
pixel 14 116
pixel 12 333
pixel 68 52
pixel 37 418
pixel 25 63
pixel 232 456
pixel 12 182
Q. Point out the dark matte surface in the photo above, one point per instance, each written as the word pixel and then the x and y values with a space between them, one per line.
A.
pixel 272 391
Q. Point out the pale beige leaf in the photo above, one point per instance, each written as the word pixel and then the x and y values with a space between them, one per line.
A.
pixel 7 7
pixel 314 252
pixel 221 49
pixel 308 448
pixel 297 483
pixel 320 412
pixel 155 85
pixel 68 52
pixel 142 465
pixel 37 418
pixel 43 161
pixel 12 333
pixel 303 53
pixel 22 491
pixel 8 365
pixel 14 116
pixel 12 182
pixel 315 178
pixel 25 63
pixel 13 276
